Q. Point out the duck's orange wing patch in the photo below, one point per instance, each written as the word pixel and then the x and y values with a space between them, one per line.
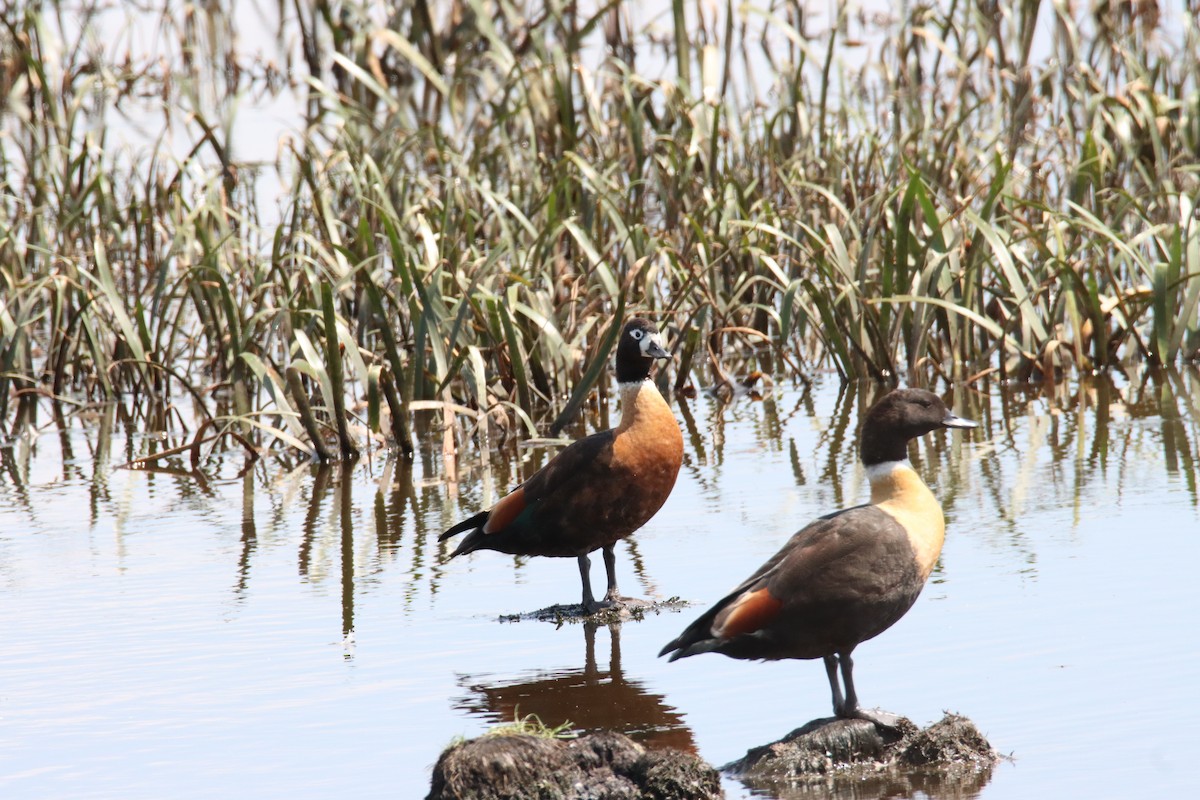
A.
pixel 747 614
pixel 504 512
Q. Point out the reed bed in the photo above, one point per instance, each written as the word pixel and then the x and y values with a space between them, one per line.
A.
pixel 477 192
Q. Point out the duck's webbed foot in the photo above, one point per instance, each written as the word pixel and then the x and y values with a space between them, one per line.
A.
pixel 881 718
pixel 612 596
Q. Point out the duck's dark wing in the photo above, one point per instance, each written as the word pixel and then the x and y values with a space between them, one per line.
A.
pixel 574 490
pixel 798 601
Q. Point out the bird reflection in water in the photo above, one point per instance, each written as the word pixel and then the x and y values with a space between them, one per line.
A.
pixel 958 782
pixel 590 698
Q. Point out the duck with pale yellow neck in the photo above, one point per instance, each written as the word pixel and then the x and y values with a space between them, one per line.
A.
pixel 598 490
pixel 848 576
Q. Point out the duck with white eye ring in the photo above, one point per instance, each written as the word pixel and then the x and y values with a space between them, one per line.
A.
pixel 599 489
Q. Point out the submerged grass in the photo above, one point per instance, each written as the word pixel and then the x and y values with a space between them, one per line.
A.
pixel 477 192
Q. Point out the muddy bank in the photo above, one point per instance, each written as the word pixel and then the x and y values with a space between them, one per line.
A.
pixel 629 609
pixel 825 758
pixel 857 758
pixel 599 766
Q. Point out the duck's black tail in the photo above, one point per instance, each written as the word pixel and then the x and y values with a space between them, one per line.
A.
pixel 470 524
pixel 696 638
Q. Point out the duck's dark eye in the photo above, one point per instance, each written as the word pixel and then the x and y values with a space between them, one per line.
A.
pixel 636 334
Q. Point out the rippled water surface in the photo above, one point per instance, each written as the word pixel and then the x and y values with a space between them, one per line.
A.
pixel 295 632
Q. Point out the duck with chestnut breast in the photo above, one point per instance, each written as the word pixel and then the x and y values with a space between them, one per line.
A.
pixel 848 576
pixel 598 490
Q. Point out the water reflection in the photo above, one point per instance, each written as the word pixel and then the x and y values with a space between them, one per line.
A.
pixel 705 450
pixel 249 536
pixel 310 526
pixel 338 480
pixel 346 529
pixel 1049 445
pixel 589 698
pixel 961 784
pixel 300 549
pixel 1063 440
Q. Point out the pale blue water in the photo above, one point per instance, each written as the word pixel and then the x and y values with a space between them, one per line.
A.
pixel 263 637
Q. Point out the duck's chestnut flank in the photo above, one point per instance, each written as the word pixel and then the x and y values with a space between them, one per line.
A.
pixel 848 576
pixel 598 490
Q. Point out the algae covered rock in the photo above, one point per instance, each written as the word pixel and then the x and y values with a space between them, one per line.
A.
pixel 598 766
pixel 950 740
pixel 828 758
pixel 858 758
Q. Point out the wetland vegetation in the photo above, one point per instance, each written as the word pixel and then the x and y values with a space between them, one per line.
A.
pixel 310 229
pixel 468 193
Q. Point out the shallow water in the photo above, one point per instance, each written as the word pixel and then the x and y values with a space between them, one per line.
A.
pixel 295 632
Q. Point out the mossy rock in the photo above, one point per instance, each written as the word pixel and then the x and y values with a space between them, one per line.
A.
pixel 950 740
pixel 598 766
pixel 826 757
pixel 949 758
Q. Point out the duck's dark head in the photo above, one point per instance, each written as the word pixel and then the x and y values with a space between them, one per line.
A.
pixel 900 416
pixel 637 348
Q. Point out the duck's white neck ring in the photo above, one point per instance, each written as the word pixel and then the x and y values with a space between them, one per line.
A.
pixel 885 468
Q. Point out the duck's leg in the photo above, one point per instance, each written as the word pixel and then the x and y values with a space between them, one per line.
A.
pixel 613 594
pixel 850 709
pixel 585 569
pixel 831 672
pixel 850 706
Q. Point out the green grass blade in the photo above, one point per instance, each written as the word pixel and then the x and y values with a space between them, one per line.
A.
pixel 595 369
